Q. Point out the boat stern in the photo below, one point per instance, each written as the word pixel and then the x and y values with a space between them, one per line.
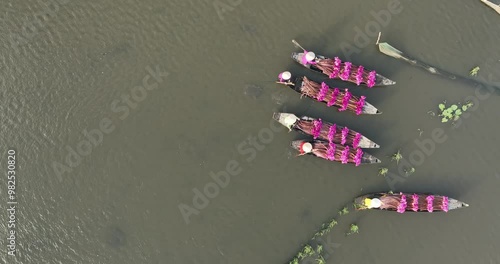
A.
pixel 455 204
pixel 359 202
pixel 297 143
pixel 369 159
pixel 383 81
pixel 364 142
pixel 297 57
pixel 369 109
pixel 286 119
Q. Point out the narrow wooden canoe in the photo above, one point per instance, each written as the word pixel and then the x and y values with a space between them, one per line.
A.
pixel 321 130
pixel 331 96
pixel 407 202
pixel 333 152
pixel 337 69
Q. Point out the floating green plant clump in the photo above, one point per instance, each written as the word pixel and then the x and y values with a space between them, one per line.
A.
pixel 320 260
pixel 319 249
pixel 344 211
pixel 410 171
pixel 383 171
pixel 474 71
pixel 397 157
pixel 325 228
pixel 353 230
pixel 453 112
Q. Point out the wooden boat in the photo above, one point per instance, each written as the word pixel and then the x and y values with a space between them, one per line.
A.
pixel 337 69
pixel 495 6
pixel 333 152
pixel 321 130
pixel 331 96
pixel 407 202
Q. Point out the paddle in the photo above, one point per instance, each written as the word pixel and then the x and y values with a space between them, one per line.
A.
pixel 297 44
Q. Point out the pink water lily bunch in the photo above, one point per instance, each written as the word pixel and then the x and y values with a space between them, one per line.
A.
pixel 360 104
pixel 322 92
pixel 333 100
pixel 414 204
pixel 345 132
pixel 317 124
pixel 359 75
pixel 357 138
pixel 445 204
pixel 345 101
pixel 331 133
pixel 430 201
pixel 345 155
pixel 402 204
pixel 346 72
pixel 336 68
pixel 330 153
pixel 371 79
pixel 357 157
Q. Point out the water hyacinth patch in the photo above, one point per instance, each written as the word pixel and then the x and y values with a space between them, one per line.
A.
pixel 474 71
pixel 353 230
pixel 320 260
pixel 325 228
pixel 383 171
pixel 453 112
pixel 344 211
pixel 410 171
pixel 397 157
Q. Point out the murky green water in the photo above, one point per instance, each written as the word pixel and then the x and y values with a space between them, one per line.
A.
pixel 168 92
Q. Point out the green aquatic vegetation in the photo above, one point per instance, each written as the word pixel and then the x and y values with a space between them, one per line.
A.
pixel 294 261
pixel 383 171
pixel 307 251
pixel 319 249
pixel 320 260
pixel 397 157
pixel 353 230
pixel 453 112
pixel 325 228
pixel 344 211
pixel 410 171
pixel 474 71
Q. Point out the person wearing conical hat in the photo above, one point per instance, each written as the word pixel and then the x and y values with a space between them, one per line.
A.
pixel 372 203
